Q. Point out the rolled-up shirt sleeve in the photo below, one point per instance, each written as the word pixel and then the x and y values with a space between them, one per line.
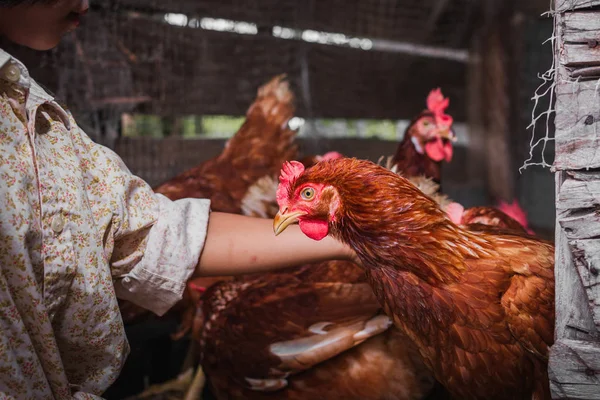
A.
pixel 152 243
pixel 157 261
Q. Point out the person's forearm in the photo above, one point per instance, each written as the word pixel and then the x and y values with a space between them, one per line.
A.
pixel 237 244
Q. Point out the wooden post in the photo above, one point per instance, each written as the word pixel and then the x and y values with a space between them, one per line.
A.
pixel 574 367
pixel 476 152
pixel 493 101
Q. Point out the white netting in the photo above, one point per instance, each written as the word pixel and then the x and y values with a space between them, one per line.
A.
pixel 542 120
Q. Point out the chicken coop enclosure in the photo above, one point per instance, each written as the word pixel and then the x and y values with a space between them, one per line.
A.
pixel 346 60
pixel 364 68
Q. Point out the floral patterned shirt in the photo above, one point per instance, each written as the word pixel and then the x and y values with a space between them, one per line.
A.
pixel 77 230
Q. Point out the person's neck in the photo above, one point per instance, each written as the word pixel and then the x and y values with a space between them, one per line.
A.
pixel 22 53
pixel 7 45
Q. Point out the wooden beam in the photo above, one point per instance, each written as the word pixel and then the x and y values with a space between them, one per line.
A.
pixel 581 27
pixel 573 318
pixel 577 201
pixel 581 55
pixel 566 5
pixel 499 179
pixel 112 101
pixel 574 370
pixel 575 357
pixel 499 97
pixel 586 256
pixel 577 126
pixel 580 50
pixel 419 50
pixel 577 135
pixel 476 151
pixel 580 190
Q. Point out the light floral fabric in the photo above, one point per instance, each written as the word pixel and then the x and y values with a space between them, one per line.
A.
pixel 76 231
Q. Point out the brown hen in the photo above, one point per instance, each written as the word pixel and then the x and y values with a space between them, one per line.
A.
pixel 260 147
pixel 426 143
pixel 304 334
pixel 477 303
pixel 427 140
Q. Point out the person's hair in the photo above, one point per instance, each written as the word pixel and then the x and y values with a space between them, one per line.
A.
pixel 13 3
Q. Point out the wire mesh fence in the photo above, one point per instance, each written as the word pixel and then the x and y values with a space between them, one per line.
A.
pixel 344 59
pixel 355 59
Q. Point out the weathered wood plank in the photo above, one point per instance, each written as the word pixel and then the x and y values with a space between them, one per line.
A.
pixel 577 123
pixel 578 205
pixel 575 357
pixel 574 370
pixel 581 27
pixel 577 115
pixel 579 49
pixel 566 5
pixel 573 316
pixel 592 72
pixel 582 225
pixel 580 190
pixel 586 256
pixel 580 55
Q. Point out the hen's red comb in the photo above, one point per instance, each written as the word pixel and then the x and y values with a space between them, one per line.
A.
pixel 437 104
pixel 289 172
pixel 436 101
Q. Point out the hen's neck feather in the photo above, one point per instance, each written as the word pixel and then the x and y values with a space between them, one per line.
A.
pixel 391 224
pixel 435 251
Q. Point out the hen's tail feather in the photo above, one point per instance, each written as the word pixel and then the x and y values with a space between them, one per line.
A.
pixel 265 136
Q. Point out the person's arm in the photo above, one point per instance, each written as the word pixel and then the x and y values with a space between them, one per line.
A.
pixel 237 244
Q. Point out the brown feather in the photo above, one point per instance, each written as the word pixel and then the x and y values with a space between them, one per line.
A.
pixel 252 323
pixel 492 217
pixel 259 148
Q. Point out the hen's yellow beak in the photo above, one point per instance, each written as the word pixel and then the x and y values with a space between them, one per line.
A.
pixel 283 220
pixel 447 134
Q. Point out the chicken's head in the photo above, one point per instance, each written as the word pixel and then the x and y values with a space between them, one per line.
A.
pixel 337 196
pixel 312 205
pixel 431 131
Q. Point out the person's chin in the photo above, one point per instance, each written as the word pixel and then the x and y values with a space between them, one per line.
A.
pixel 46 44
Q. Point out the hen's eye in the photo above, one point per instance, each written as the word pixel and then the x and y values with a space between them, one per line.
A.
pixel 307 193
pixel 426 123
